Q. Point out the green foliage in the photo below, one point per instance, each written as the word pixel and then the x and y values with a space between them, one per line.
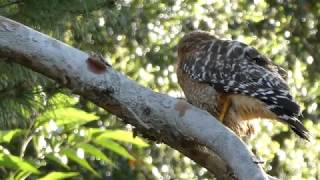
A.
pixel 121 135
pixel 139 38
pixel 15 162
pixel 7 135
pixel 78 157
pixel 62 139
pixel 94 151
pixel 111 145
pixel 59 175
pixel 68 117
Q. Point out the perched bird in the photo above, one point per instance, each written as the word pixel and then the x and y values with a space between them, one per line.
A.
pixel 235 83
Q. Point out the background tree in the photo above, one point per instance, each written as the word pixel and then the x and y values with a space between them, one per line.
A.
pixel 139 38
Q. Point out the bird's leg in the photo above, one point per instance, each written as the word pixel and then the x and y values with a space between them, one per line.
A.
pixel 225 109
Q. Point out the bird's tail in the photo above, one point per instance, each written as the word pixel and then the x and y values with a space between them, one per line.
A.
pixel 296 126
pixel 280 102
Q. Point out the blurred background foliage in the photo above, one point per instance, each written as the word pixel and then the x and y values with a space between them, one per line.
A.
pixel 49 133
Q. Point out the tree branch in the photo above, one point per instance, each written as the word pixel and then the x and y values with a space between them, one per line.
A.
pixel 156 116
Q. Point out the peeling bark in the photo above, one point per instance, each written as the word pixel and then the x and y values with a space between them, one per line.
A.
pixel 190 130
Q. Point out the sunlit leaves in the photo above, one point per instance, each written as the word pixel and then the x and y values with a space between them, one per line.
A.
pixel 60 160
pixel 61 126
pixel 114 147
pixel 72 154
pixel 61 100
pixel 59 175
pixel 19 175
pixel 96 152
pixel 122 135
pixel 68 117
pixel 6 136
pixel 14 162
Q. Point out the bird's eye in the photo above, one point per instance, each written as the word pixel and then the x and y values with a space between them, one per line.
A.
pixel 256 59
pixel 260 61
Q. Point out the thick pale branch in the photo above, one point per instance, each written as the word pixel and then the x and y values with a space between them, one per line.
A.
pixel 156 116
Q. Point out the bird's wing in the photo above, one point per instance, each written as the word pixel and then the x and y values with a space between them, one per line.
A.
pixel 236 68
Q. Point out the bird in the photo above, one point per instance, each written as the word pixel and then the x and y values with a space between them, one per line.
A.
pixel 235 83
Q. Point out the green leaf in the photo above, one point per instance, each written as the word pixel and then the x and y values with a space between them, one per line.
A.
pixel 71 154
pixel 68 117
pixel 92 150
pixel 55 159
pixel 21 175
pixel 94 132
pixel 59 175
pixel 6 136
pixel 73 116
pixel 125 136
pixel 113 146
pixel 15 162
pixel 60 100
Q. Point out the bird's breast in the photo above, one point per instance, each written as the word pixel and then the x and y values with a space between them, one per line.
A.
pixel 201 95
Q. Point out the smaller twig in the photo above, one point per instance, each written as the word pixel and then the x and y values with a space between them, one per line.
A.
pixel 30 133
pixel 24 146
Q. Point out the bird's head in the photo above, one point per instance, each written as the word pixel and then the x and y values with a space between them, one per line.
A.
pixel 190 41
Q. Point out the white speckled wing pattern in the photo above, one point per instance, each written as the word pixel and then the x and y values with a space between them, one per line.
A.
pixel 236 68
